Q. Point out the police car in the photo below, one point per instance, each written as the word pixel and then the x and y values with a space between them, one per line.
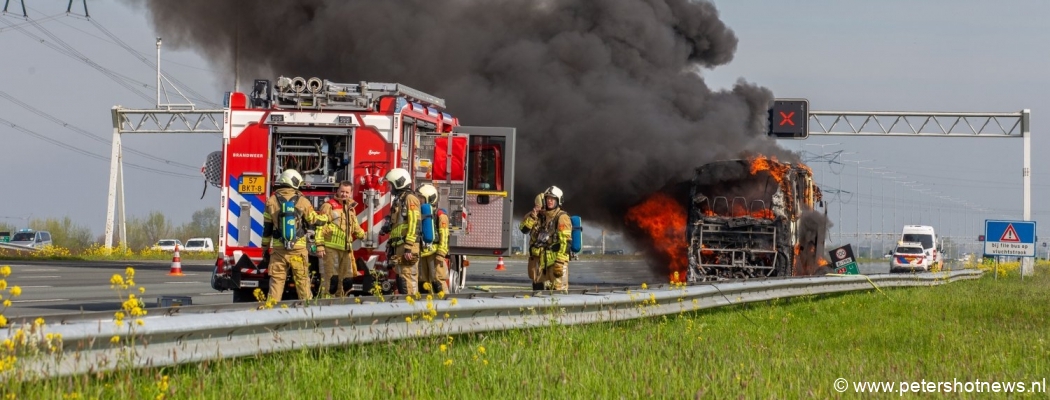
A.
pixel 909 257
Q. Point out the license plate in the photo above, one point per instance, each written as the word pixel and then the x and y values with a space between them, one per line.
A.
pixel 252 185
pixel 246 284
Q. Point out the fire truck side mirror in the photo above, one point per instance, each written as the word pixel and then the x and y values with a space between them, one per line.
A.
pixel 261 94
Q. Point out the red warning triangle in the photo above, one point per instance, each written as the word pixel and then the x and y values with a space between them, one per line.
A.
pixel 1010 235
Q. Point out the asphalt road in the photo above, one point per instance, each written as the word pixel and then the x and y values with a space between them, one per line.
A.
pixel 65 287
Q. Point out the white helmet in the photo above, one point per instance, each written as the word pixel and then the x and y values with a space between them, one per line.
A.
pixel 554 192
pixel 399 178
pixel 429 193
pixel 290 178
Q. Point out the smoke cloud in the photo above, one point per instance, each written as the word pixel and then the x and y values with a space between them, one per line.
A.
pixel 608 96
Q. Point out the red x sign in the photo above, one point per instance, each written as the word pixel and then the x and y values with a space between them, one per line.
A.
pixel 785 118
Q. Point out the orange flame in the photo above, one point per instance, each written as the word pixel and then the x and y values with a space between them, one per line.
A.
pixel 663 220
pixel 775 168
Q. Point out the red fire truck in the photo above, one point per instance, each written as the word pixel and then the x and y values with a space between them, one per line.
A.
pixel 331 132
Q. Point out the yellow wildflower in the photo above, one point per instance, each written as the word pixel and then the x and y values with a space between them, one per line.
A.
pixel 3 284
pixel 38 322
pixel 408 319
pixel 16 291
pixel 444 348
pixel 114 339
pixel 5 270
pixel 116 280
pixel 3 321
pixel 448 363
pixel 454 301
pixel 644 286
pixel 481 349
pixel 130 272
pixel 142 290
pixel 139 322
pixel 7 303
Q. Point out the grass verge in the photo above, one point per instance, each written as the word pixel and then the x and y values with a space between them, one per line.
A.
pixel 987 330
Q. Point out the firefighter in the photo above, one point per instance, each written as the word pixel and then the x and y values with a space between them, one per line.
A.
pixel 339 235
pixel 405 220
pixel 285 220
pixel 434 256
pixel 552 233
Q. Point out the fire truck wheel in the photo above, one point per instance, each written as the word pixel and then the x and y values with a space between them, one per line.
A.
pixel 243 295
pixel 455 281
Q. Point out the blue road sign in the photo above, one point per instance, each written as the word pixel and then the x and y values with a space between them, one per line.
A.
pixel 1009 238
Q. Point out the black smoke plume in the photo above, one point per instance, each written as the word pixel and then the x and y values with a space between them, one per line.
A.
pixel 607 95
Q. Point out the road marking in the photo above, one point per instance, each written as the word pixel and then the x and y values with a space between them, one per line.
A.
pixel 177 283
pixel 213 294
pixel 38 301
pixel 40 277
pixel 42 286
pixel 41 270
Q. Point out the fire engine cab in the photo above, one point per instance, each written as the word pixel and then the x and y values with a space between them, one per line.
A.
pixel 332 132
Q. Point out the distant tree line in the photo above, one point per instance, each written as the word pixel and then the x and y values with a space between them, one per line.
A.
pixel 142 232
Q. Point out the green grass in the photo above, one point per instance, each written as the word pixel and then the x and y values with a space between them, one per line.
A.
pixel 989 330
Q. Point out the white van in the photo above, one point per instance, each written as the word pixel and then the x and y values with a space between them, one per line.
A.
pixel 200 244
pixel 924 234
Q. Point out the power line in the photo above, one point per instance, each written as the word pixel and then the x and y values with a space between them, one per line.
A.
pixel 148 62
pixel 90 154
pixel 69 51
pixel 90 135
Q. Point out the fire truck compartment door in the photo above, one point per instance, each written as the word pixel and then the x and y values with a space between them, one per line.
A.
pixel 450 154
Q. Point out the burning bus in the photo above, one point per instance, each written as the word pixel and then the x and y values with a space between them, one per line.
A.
pixel 754 218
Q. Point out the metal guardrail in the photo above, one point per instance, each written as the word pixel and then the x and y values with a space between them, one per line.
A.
pixel 177 339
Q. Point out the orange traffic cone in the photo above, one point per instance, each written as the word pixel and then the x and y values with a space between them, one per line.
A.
pixel 176 264
pixel 499 265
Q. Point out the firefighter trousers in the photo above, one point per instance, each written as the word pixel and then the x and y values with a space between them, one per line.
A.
pixel 407 271
pixel 337 263
pixel 544 275
pixel 281 260
pixel 433 269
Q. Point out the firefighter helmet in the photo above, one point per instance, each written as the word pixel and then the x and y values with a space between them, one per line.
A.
pixel 429 193
pixel 399 178
pixel 554 192
pixel 290 178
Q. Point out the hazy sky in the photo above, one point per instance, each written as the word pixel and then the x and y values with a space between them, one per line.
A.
pixel 971 56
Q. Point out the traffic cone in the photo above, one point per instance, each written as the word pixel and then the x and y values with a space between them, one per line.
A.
pixel 499 265
pixel 176 264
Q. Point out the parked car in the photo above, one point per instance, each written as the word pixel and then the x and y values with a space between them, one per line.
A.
pixel 200 244
pixel 909 257
pixel 167 245
pixel 31 238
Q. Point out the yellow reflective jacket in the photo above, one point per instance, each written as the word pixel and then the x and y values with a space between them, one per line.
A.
pixel 341 220
pixel 405 219
pixel 273 208
pixel 557 226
